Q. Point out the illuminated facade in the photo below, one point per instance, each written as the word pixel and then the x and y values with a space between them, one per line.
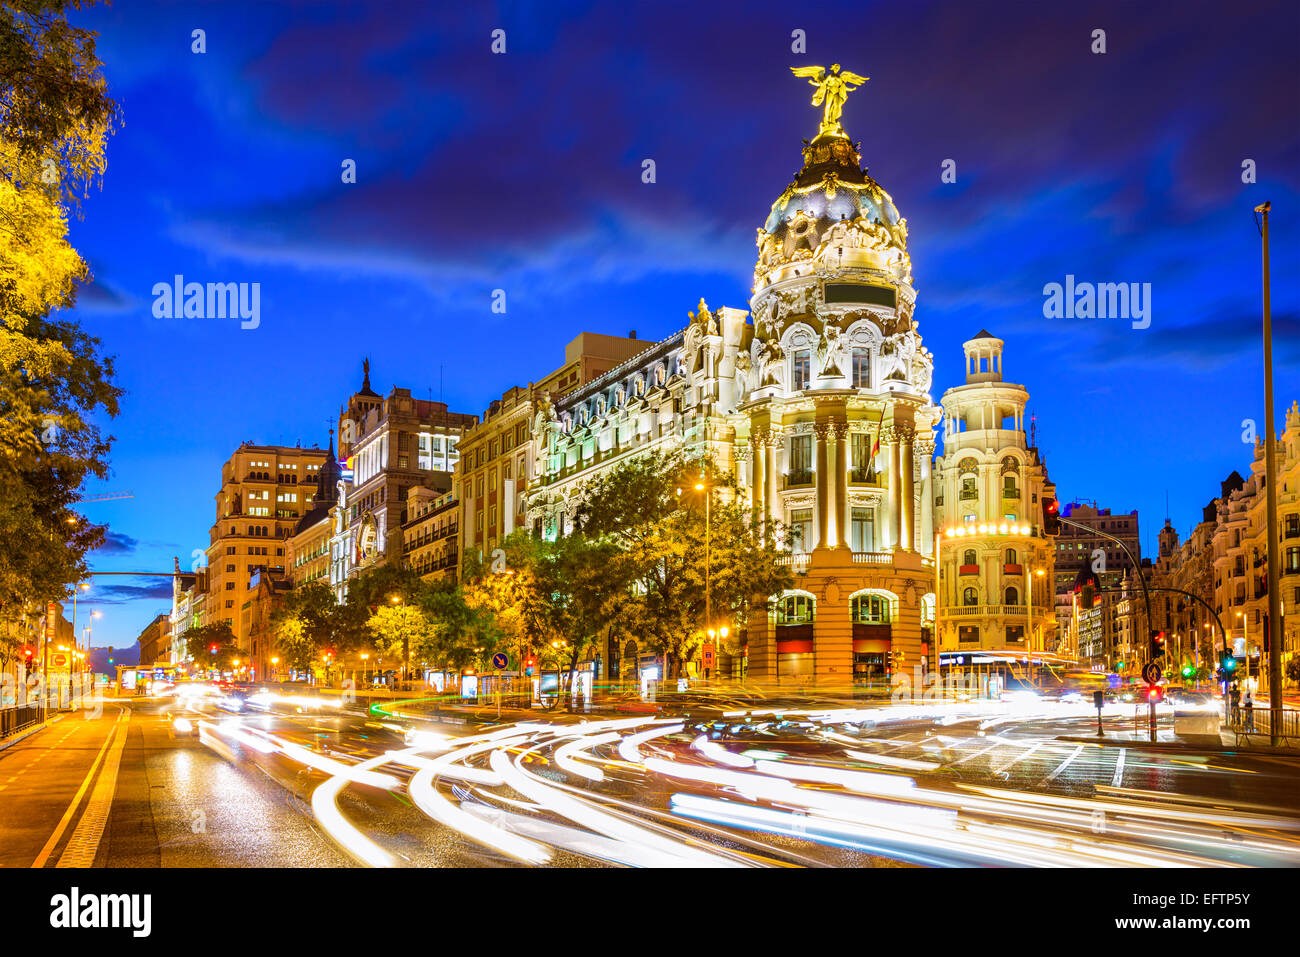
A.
pixel 432 535
pixel 498 458
pixel 1241 554
pixel 997 567
pixel 820 407
pixel 390 446
pixel 265 491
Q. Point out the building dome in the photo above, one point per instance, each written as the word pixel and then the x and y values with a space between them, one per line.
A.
pixel 832 215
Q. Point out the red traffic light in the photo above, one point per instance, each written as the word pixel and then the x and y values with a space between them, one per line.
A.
pixel 1159 638
pixel 1156 695
pixel 212 649
pixel 28 652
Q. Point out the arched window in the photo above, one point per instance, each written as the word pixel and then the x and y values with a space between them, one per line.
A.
pixel 795 610
pixel 968 557
pixel 1012 597
pixel 873 609
pixel 1011 557
pixel 969 597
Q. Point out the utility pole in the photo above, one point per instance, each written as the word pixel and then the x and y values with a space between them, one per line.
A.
pixel 1270 490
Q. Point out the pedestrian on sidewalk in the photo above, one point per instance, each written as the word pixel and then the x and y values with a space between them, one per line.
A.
pixel 1234 697
pixel 1250 712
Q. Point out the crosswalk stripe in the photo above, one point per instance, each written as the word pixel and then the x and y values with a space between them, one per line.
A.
pixel 1065 764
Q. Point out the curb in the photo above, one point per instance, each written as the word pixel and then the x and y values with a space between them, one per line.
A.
pixel 1177 748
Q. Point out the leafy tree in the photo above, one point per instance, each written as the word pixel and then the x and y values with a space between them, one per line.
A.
pixel 293 641
pixel 54 118
pixel 311 620
pixel 201 641
pixel 1293 668
pixel 400 630
pixel 463 635
pixel 667 557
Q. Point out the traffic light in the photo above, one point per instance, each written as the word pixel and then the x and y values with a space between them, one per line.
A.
pixel 212 649
pixel 1227 664
pixel 1157 645
pixel 1188 670
pixel 1051 516
pixel 1155 694
pixel 29 652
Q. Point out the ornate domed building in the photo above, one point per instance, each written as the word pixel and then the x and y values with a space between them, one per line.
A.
pixel 818 401
pixel 834 408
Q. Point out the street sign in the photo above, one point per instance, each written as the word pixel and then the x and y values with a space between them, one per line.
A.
pixel 59 660
pixel 499 660
pixel 1151 673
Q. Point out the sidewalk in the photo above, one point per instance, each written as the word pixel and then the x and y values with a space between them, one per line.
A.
pixel 29 731
pixel 1171 744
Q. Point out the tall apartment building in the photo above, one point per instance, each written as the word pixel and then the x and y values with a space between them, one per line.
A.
pixel 1241 553
pixel 390 445
pixel 497 457
pixel 265 490
pixel 1077 549
pixel 1192 635
pixel 997 566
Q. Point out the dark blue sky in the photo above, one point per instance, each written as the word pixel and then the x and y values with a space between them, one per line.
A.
pixel 522 172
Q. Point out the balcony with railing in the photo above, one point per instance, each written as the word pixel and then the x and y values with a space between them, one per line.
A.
pixel 797 561
pixel 873 558
pixel 978 611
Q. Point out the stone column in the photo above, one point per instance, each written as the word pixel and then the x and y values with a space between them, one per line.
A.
pixel 841 467
pixel 895 487
pixel 925 449
pixel 774 439
pixel 758 452
pixel 907 464
pixel 824 525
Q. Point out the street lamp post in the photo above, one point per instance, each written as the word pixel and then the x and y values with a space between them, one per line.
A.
pixel 1270 489
pixel 1029 618
pixel 707 489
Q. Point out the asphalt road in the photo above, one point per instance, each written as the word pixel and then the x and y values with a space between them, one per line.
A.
pixel 295 782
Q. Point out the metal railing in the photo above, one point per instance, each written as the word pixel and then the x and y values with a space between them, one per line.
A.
pixel 1263 721
pixel 16 718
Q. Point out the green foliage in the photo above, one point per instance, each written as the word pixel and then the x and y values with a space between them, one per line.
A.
pixel 200 641
pixel 463 635
pixel 54 118
pixel 671 544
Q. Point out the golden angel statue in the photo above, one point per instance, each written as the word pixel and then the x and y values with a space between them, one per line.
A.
pixel 833 88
